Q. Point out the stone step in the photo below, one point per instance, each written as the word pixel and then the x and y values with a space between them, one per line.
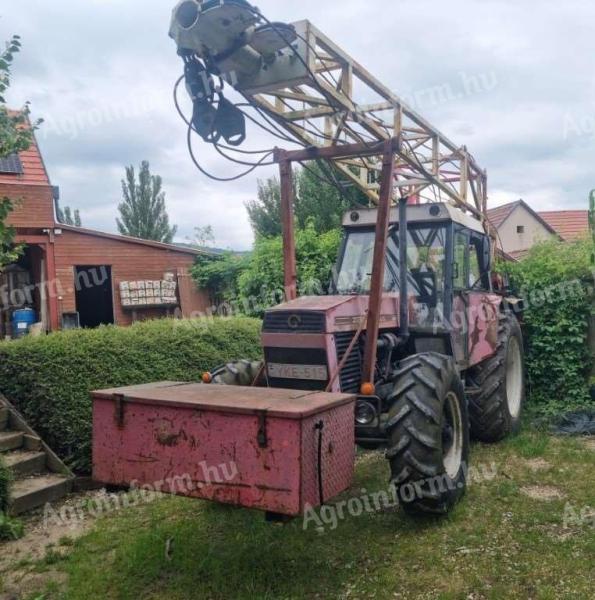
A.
pixel 32 443
pixel 23 462
pixel 11 440
pixel 34 492
pixel 4 418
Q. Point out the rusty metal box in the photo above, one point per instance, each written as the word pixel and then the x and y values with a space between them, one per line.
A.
pixel 270 449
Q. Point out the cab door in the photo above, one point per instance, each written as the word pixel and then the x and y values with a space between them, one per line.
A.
pixel 475 306
pixel 483 306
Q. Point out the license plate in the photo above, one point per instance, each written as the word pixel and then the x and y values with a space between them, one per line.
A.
pixel 311 372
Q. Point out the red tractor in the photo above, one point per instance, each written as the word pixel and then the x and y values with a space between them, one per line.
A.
pixel 416 328
pixel 449 352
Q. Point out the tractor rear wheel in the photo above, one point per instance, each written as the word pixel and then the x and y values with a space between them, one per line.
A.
pixel 243 372
pixel 495 410
pixel 428 431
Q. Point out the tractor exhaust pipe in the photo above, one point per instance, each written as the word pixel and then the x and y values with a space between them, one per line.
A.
pixel 403 283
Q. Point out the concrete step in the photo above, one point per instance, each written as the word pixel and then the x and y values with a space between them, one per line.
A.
pixel 34 492
pixel 11 440
pixel 23 462
pixel 4 418
pixel 32 443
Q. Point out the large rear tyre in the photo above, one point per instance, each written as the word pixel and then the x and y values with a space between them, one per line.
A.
pixel 428 431
pixel 496 409
pixel 243 372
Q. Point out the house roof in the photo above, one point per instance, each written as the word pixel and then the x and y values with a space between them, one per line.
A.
pixel 569 224
pixel 131 240
pixel 34 171
pixel 499 215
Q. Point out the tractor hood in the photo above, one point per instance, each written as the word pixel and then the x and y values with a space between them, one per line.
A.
pixel 317 303
pixel 328 314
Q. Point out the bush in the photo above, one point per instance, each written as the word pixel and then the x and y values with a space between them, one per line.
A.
pixel 10 529
pixel 219 273
pixel 49 378
pixel 556 282
pixel 316 255
pixel 5 481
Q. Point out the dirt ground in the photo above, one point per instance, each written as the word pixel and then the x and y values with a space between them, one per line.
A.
pixel 46 537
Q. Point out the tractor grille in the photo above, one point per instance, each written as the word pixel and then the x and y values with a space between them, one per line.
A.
pixel 296 356
pixel 351 374
pixel 294 322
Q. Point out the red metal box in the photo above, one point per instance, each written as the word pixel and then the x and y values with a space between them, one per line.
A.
pixel 271 449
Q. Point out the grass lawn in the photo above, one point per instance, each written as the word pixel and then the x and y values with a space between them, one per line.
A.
pixel 505 540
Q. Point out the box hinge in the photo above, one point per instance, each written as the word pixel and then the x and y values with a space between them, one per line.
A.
pixel 119 413
pixel 262 436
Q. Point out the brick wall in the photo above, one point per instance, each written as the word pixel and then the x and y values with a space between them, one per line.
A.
pixel 36 206
pixel 129 262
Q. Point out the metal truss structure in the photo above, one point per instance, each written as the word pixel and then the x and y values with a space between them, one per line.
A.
pixel 324 109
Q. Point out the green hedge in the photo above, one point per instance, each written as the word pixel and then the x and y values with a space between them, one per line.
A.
pixel 556 282
pixel 5 480
pixel 49 378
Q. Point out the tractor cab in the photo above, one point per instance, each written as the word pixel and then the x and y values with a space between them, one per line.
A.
pixel 448 253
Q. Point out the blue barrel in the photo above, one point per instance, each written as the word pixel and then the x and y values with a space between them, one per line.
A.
pixel 22 320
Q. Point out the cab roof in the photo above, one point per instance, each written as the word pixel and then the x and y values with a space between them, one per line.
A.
pixel 416 213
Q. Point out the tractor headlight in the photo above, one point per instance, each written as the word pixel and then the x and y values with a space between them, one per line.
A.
pixel 365 413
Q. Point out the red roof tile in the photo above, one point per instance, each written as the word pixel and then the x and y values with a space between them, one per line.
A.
pixel 518 254
pixel 569 224
pixel 34 172
pixel 498 215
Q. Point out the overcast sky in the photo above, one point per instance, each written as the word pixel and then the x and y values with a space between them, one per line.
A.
pixel 100 72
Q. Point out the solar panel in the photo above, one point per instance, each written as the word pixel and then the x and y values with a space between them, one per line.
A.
pixel 11 165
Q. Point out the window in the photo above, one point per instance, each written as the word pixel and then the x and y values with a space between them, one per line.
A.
pixel 460 262
pixel 11 165
pixel 520 229
pixel 425 261
pixel 470 270
pixel 479 277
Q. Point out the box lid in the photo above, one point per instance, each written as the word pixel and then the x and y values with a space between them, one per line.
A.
pixel 289 404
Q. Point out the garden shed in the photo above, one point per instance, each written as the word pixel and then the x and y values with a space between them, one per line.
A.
pixel 72 276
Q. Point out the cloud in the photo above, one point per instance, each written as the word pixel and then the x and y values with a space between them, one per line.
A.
pixel 519 93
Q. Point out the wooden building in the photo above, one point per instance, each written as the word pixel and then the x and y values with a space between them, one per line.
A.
pixel 71 275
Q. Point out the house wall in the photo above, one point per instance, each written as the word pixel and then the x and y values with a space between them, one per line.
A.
pixel 33 205
pixel 129 261
pixel 512 241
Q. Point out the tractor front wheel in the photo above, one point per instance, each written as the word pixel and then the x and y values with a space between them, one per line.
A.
pixel 242 373
pixel 428 431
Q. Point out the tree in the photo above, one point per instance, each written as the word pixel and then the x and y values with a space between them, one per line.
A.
pixel 261 283
pixel 203 236
pixel 142 211
pixel 219 275
pixel 265 212
pixel 66 217
pixel 16 135
pixel 317 201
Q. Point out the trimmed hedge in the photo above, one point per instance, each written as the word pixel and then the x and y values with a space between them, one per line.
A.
pixel 5 481
pixel 49 378
pixel 556 282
